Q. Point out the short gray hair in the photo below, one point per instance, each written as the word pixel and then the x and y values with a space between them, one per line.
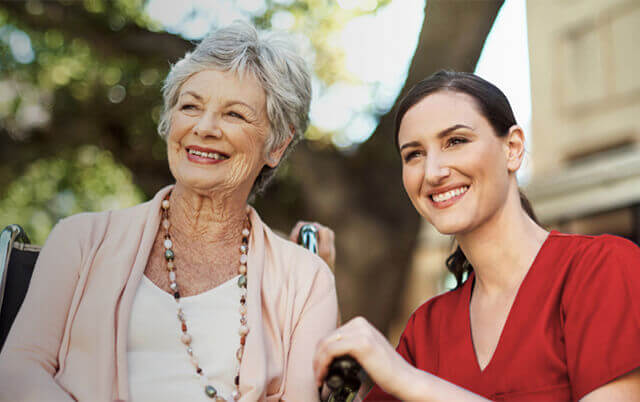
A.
pixel 273 59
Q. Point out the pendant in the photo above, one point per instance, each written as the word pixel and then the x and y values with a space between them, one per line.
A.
pixel 210 391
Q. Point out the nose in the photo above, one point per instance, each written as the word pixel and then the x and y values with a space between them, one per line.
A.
pixel 435 169
pixel 208 126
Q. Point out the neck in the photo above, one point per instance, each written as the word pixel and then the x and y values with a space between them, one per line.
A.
pixel 502 249
pixel 208 218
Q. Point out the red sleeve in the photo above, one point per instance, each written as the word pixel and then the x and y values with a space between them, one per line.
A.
pixel 405 349
pixel 601 314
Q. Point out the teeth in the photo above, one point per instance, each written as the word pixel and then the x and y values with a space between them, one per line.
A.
pixel 449 194
pixel 210 155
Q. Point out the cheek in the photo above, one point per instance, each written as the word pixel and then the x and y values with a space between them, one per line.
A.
pixel 412 180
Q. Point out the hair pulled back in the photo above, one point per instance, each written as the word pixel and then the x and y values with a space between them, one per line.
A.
pixel 491 103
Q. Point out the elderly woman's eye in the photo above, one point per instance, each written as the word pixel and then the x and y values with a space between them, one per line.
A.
pixel 187 106
pixel 236 115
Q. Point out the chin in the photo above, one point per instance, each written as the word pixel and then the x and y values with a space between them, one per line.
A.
pixel 199 183
pixel 449 227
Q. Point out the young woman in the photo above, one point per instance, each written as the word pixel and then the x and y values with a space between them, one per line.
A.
pixel 542 316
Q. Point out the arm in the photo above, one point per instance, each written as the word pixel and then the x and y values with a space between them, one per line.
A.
pixel 385 366
pixel 317 319
pixel 29 359
pixel 622 389
pixel 601 314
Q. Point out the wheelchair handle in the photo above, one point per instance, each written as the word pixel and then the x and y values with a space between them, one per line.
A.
pixel 308 238
pixel 343 380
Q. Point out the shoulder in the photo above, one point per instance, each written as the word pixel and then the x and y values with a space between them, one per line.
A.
pixel 584 252
pixel 603 264
pixel 86 223
pixel 441 304
pixel 431 312
pixel 578 243
pixel 88 229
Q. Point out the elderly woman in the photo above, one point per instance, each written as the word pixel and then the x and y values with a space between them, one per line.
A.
pixel 189 296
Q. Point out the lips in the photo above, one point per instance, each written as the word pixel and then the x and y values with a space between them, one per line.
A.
pixel 205 155
pixel 446 197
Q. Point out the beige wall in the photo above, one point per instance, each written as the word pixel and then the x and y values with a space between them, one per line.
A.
pixel 585 108
pixel 585 78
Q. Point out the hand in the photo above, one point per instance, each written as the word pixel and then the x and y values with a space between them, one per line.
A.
pixel 326 241
pixel 359 339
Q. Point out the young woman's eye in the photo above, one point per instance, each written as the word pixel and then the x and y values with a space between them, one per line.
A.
pixel 410 155
pixel 455 141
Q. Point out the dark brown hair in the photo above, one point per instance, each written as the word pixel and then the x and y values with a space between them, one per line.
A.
pixel 492 104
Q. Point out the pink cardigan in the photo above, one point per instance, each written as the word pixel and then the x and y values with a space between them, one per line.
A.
pixel 69 339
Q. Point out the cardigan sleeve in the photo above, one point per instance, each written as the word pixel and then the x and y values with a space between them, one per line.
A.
pixel 29 359
pixel 318 318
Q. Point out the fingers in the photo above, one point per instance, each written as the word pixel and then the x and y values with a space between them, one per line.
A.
pixel 326 241
pixel 326 245
pixel 293 236
pixel 356 338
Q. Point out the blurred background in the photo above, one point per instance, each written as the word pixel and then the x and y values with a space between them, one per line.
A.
pixel 80 99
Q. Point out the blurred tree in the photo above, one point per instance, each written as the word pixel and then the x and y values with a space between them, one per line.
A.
pixel 74 73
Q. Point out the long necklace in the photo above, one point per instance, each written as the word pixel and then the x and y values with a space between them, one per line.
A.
pixel 186 338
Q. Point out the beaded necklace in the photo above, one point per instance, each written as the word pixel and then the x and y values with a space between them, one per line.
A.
pixel 186 339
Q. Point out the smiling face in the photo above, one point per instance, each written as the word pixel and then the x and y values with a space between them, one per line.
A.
pixel 218 131
pixel 455 169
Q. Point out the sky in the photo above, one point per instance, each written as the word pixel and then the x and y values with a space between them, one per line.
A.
pixel 351 111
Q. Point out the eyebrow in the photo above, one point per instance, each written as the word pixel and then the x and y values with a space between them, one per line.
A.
pixel 439 135
pixel 238 102
pixel 229 103
pixel 195 95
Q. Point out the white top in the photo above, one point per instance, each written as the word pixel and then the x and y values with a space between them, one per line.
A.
pixel 159 366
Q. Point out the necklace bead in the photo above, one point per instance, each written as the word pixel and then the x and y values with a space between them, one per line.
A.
pixel 185 337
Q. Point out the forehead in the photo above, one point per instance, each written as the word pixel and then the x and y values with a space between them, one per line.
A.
pixel 437 112
pixel 226 85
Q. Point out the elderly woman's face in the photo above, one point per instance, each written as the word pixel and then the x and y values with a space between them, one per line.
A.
pixel 218 131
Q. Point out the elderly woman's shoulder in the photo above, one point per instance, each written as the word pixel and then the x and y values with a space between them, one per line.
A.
pixel 86 224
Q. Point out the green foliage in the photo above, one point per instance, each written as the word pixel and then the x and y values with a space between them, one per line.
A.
pixel 53 188
pixel 86 81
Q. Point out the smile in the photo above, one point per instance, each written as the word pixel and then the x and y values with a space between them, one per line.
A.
pixel 210 155
pixel 450 195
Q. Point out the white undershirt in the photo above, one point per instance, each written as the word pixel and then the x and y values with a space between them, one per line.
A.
pixel 159 366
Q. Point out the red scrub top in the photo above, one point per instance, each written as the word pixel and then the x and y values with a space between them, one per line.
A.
pixel 573 327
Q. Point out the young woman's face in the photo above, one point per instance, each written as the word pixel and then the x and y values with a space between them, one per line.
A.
pixel 454 166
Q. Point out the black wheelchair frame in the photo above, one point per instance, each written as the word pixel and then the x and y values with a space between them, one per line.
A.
pixel 17 260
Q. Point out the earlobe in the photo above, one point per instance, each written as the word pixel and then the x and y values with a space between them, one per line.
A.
pixel 273 158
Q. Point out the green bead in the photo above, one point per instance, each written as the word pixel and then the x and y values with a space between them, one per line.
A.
pixel 168 255
pixel 242 281
pixel 210 391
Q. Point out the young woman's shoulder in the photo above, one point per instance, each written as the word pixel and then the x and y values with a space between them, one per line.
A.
pixel 587 255
pixel 439 306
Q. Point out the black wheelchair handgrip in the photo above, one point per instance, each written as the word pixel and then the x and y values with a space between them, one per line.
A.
pixel 343 379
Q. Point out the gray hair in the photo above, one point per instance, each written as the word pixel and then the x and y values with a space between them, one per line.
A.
pixel 273 59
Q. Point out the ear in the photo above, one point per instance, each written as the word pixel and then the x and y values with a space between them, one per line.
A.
pixel 274 156
pixel 514 148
